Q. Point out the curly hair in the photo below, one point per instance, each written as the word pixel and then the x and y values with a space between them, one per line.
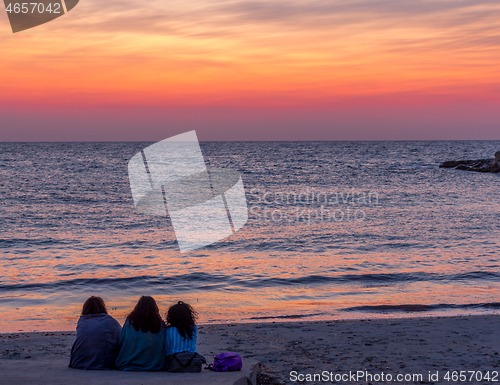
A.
pixel 183 317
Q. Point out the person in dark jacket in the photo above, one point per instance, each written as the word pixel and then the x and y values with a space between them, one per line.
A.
pixel 142 341
pixel 97 337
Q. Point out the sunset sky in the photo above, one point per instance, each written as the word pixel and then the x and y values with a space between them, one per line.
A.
pixel 255 70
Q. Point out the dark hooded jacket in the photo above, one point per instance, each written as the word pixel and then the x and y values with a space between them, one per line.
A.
pixel 96 344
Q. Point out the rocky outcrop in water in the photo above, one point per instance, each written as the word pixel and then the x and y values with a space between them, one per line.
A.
pixel 479 165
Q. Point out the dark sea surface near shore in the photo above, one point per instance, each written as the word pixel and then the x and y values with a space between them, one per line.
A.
pixel 335 230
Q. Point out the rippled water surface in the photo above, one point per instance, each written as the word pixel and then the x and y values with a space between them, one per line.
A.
pixel 335 230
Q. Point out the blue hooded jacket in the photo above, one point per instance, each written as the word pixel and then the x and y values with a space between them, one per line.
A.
pixel 141 351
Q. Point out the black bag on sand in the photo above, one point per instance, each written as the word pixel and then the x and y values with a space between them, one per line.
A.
pixel 185 362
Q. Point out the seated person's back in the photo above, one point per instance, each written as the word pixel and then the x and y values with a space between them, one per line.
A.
pixel 182 332
pixel 97 337
pixel 175 343
pixel 142 341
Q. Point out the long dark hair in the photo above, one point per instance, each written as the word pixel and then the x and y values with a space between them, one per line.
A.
pixel 183 317
pixel 146 316
pixel 94 305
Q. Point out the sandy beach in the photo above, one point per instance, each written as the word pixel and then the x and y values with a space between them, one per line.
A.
pixel 342 351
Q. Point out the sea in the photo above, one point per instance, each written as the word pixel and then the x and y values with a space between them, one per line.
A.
pixel 335 230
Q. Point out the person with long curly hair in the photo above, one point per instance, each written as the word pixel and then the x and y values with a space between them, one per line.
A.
pixel 181 334
pixel 142 341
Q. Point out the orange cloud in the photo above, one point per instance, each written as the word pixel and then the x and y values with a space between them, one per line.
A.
pixel 252 53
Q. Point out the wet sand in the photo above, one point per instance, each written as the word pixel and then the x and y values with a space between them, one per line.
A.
pixel 338 350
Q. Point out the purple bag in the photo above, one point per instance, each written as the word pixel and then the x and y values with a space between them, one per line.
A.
pixel 227 362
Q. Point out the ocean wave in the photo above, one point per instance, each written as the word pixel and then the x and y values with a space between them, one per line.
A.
pixel 422 308
pixel 206 281
pixel 291 316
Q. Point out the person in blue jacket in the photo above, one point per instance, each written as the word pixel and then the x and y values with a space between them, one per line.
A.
pixel 97 337
pixel 142 341
pixel 182 331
